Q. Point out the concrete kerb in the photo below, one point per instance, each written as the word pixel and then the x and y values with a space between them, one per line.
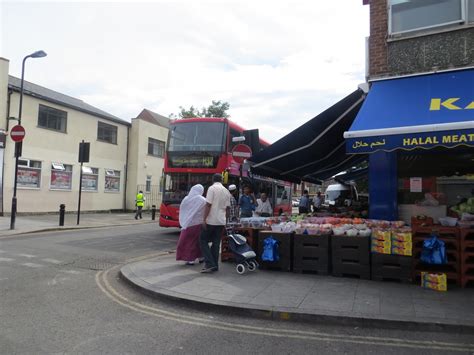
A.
pixel 56 229
pixel 281 314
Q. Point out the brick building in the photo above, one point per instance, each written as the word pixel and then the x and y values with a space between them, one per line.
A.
pixel 417 123
pixel 412 37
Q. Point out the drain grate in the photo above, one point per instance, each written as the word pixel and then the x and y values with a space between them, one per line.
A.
pixel 93 263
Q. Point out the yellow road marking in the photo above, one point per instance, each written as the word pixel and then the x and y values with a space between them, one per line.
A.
pixel 111 293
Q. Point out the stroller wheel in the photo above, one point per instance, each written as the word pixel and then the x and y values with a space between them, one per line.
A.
pixel 252 265
pixel 240 268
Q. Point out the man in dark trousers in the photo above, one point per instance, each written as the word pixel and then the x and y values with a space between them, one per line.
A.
pixel 304 202
pixel 139 202
pixel 215 215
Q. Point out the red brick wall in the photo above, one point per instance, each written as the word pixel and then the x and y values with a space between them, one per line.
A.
pixel 378 38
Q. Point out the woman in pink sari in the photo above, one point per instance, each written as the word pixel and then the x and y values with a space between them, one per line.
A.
pixel 191 216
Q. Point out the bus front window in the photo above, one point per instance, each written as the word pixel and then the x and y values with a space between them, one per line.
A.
pixel 178 185
pixel 176 188
pixel 197 137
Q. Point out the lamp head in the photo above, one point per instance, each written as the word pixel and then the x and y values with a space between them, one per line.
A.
pixel 38 54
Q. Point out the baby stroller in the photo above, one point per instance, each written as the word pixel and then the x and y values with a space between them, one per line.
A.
pixel 245 257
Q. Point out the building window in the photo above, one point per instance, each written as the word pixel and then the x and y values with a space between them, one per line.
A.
pixel 107 133
pixel 61 176
pixel 52 118
pixel 156 148
pixel 29 173
pixel 415 15
pixel 148 184
pixel 470 11
pixel 90 178
pixel 112 180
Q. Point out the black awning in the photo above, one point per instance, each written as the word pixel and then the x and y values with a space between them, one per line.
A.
pixel 317 145
pixel 352 175
pixel 349 162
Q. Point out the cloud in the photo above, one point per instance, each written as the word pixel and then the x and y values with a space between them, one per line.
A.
pixel 277 63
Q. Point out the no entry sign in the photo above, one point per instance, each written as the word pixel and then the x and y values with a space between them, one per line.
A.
pixel 241 152
pixel 17 133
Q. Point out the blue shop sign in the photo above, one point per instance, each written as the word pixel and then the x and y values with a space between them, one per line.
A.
pixel 425 140
pixel 424 111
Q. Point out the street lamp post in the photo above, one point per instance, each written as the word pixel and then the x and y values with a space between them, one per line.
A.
pixel 18 145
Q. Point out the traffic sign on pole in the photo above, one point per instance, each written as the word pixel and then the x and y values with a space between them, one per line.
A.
pixel 17 133
pixel 241 152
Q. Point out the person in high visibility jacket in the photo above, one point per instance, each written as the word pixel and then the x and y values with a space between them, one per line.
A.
pixel 139 202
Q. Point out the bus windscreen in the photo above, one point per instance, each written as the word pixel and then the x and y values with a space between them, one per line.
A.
pixel 177 185
pixel 197 137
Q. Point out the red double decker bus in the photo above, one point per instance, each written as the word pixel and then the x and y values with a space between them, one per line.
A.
pixel 200 147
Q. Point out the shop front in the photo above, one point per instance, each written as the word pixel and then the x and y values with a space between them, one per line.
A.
pixel 419 135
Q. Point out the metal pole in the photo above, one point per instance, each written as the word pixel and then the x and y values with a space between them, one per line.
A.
pixel 14 199
pixel 62 211
pixel 17 148
pixel 80 193
pixel 153 212
pixel 240 180
pixel 20 109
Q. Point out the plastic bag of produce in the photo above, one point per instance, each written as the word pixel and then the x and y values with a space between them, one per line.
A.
pixel 434 251
pixel 270 249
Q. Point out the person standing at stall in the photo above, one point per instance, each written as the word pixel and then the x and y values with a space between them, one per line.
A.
pixel 215 216
pixel 234 207
pixel 247 203
pixel 304 202
pixel 317 201
pixel 191 216
pixel 264 207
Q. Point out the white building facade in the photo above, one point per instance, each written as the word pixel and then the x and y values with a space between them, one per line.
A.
pixel 49 171
pixel 149 134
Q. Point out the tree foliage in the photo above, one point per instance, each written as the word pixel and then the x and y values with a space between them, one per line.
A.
pixel 216 109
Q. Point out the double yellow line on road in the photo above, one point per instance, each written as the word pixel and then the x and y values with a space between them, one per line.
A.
pixel 114 295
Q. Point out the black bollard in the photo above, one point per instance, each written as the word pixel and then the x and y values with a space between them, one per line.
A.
pixel 62 211
pixel 153 212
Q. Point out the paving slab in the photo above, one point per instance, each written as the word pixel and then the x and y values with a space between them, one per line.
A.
pixel 295 295
pixel 50 222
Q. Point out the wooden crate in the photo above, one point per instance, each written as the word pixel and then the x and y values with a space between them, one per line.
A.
pixel 285 251
pixel 467 256
pixel 350 269
pixel 350 249
pixel 391 267
pixel 451 237
pixel 350 256
pixel 311 253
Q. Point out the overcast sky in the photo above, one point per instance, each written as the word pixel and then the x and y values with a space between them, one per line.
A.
pixel 278 63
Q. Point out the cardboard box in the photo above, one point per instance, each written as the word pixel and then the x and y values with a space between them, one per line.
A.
pixel 381 234
pixel 434 281
pixel 381 249
pixel 402 251
pixel 402 245
pixel 401 236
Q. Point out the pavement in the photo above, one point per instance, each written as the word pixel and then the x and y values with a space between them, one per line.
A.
pixel 50 222
pixel 286 295
pixel 281 295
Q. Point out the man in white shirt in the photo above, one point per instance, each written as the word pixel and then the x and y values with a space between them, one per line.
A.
pixel 215 216
pixel 264 208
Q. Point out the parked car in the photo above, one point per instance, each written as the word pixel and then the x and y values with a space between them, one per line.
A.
pixel 295 202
